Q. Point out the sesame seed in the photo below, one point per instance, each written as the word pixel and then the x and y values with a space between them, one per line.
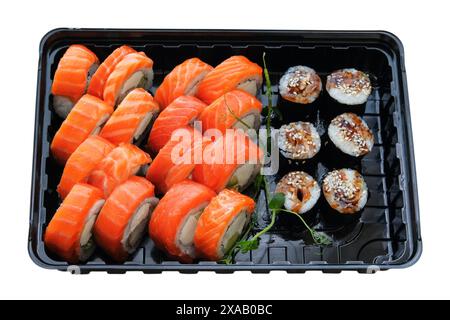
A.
pixel 353 129
pixel 298 140
pixel 294 181
pixel 342 189
pixel 350 82
pixel 303 82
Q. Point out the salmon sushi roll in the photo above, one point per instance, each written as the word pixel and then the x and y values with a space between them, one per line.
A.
pixel 183 111
pixel 86 118
pixel 121 163
pixel 236 72
pixel 132 117
pixel 72 77
pixel 231 161
pixel 123 220
pixel 82 162
pixel 183 80
pixel 98 80
pixel 135 70
pixel 174 221
pixel 222 223
pixel 69 233
pixel 235 109
pixel 176 160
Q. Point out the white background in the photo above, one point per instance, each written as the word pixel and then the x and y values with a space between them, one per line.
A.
pixel 424 32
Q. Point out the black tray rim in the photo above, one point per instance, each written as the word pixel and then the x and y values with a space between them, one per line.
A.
pixel 254 268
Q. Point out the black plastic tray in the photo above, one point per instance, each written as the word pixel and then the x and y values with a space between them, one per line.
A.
pixel 385 235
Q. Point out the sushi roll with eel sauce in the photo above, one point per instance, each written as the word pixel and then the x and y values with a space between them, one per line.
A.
pixel 298 140
pixel 300 84
pixel 345 190
pixel 300 190
pixel 351 134
pixel 349 86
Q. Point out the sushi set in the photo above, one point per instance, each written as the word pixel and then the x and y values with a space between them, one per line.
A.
pixel 152 150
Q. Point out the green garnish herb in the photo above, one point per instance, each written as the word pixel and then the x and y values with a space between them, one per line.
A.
pixel 269 103
pixel 233 114
pixel 256 186
pixel 231 254
pixel 275 207
pixel 88 245
pixel 233 183
pixel 142 82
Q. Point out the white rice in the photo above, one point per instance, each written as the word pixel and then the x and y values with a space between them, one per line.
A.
pixel 243 176
pixel 186 230
pixel 62 106
pixel 233 232
pixel 191 89
pixel 140 79
pixel 251 85
pixel 137 225
pixel 87 245
pixel 251 120
pixel 143 125
pixel 99 125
